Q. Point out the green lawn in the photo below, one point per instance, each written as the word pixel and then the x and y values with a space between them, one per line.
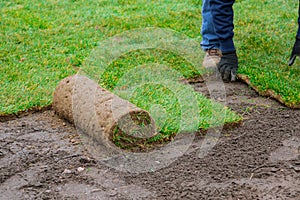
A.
pixel 45 41
pixel 264 35
pixel 42 42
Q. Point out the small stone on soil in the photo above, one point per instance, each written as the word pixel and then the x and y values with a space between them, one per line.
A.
pixel 67 171
pixel 80 169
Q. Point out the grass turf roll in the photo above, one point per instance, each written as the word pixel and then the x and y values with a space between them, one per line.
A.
pixel 99 113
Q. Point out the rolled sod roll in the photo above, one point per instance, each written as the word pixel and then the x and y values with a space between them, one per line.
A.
pixel 98 112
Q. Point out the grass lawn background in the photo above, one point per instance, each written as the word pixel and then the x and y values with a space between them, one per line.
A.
pixel 42 42
pixel 265 34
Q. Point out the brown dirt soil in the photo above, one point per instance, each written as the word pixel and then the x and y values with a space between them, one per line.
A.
pixel 41 157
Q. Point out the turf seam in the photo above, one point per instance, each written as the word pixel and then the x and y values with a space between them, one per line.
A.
pixel 267 93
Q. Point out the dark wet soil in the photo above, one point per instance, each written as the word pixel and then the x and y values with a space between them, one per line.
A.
pixel 41 157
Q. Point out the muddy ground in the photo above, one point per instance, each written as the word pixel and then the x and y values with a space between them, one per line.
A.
pixel 41 157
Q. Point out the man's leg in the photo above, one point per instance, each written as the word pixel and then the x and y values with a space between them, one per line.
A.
pixel 210 41
pixel 222 15
pixel 209 38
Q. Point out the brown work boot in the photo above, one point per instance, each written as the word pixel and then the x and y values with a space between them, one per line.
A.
pixel 212 58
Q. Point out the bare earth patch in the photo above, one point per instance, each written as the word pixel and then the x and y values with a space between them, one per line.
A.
pixel 41 157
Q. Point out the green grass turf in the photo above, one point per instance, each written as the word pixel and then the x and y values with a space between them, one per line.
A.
pixel 42 42
pixel 45 41
pixel 264 34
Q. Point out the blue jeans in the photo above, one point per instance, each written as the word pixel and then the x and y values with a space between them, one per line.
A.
pixel 209 37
